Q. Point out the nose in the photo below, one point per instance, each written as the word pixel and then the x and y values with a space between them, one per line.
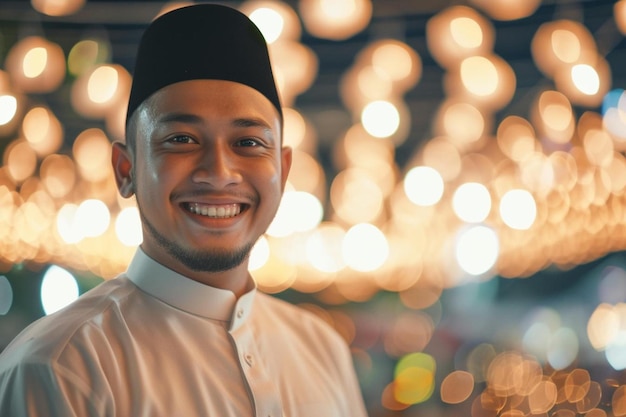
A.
pixel 217 167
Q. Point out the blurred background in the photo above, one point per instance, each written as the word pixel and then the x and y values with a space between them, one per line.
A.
pixel 456 209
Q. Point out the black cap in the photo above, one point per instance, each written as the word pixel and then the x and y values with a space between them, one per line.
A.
pixel 203 41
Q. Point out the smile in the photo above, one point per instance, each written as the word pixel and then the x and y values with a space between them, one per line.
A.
pixel 215 211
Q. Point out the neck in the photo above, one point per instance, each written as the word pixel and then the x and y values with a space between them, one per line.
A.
pixel 237 280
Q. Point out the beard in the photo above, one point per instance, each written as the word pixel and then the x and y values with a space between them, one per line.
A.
pixel 199 260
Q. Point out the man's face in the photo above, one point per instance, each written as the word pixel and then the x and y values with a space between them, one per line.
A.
pixel 208 173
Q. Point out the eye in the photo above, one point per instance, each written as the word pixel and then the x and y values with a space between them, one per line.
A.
pixel 248 142
pixel 181 139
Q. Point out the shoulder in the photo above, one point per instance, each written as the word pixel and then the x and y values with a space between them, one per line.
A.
pixel 45 340
pixel 302 322
pixel 58 358
pixel 289 311
pixel 289 333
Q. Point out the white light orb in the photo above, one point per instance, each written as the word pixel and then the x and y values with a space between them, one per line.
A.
pixel 423 186
pixel 472 202
pixel 477 249
pixel 365 247
pixel 128 227
pixel 58 289
pixel 518 209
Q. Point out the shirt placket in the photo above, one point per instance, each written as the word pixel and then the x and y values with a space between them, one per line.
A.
pixel 264 396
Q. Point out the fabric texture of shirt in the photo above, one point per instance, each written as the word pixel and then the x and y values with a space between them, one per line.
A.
pixel 154 343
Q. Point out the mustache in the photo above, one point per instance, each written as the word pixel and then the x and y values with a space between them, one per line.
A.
pixel 207 194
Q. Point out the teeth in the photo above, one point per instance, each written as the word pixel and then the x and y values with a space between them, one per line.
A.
pixel 218 212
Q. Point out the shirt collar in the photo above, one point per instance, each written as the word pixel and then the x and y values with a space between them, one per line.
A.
pixel 188 295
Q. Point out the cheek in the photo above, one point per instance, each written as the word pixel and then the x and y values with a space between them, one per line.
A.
pixel 275 178
pixel 277 173
pixel 158 171
pixel 151 180
pixel 275 187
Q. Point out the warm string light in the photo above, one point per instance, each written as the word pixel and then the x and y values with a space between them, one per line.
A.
pixel 474 79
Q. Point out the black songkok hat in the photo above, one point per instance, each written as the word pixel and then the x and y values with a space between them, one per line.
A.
pixel 203 41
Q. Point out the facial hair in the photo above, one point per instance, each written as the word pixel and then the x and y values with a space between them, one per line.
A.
pixel 198 260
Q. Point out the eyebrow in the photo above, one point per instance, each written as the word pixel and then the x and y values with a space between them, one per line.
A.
pixel 242 122
pixel 179 117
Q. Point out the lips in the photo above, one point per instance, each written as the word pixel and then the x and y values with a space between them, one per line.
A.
pixel 221 211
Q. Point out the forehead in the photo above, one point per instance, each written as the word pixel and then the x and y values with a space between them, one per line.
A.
pixel 211 98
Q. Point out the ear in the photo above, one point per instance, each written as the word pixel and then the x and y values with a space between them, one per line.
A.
pixel 123 167
pixel 285 159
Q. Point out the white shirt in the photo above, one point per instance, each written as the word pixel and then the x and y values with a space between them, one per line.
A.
pixel 155 343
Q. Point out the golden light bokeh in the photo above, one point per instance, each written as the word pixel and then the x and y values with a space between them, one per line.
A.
pixel 486 81
pixel 462 123
pixel 276 20
pixel 20 160
pixel 101 90
pixel 36 65
pixel 295 68
pixel 58 175
pixel 516 138
pixel 458 32
pixel 8 109
pixel 43 131
pixel 561 42
pixel 553 117
pixel 586 82
pixel 92 153
pixel 87 53
pixel 335 19
pixel 355 196
pixel 57 7
pixel 457 387
pixel 393 60
pixel 619 13
pixel 508 9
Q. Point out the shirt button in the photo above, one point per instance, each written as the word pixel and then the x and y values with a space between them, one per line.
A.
pixel 249 359
pixel 239 313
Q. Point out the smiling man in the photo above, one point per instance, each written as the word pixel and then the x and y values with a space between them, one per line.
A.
pixel 184 331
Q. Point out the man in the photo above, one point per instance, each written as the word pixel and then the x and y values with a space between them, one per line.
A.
pixel 184 332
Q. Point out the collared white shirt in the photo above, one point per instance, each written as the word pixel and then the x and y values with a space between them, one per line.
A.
pixel 155 343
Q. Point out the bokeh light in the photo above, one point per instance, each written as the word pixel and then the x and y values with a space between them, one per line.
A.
pixel 36 65
pixel 87 53
pixel 518 209
pixel 457 387
pixel 92 217
pixel 472 202
pixel 128 227
pixel 380 119
pixel 477 249
pixel 508 9
pixel 6 295
pixel 335 19
pixel 414 378
pixel 276 20
pixel 57 7
pixel 458 32
pixel 299 211
pixel 43 131
pixel 365 247
pixel 324 248
pixel 423 186
pixel 58 289
pixel 260 254
pixel 8 108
